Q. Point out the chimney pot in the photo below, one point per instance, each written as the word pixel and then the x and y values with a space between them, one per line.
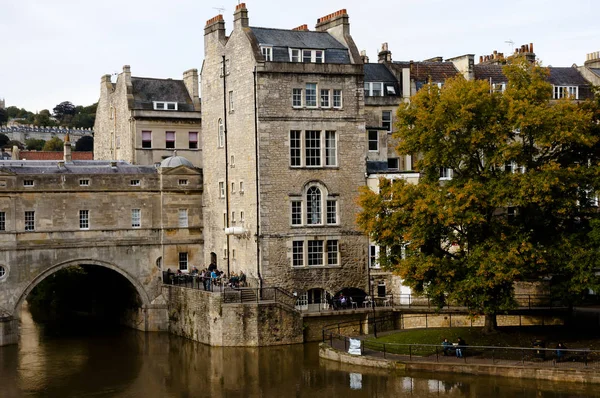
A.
pixel 531 47
pixel 303 28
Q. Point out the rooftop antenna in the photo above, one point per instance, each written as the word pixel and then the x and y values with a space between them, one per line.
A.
pixel 511 44
pixel 221 9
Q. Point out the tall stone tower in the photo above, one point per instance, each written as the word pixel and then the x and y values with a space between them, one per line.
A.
pixel 284 147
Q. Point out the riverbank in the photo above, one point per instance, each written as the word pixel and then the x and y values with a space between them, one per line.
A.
pixel 524 370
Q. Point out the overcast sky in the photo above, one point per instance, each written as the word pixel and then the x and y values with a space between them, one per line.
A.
pixel 57 50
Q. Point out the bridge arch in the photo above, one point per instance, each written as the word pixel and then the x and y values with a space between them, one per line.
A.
pixel 142 293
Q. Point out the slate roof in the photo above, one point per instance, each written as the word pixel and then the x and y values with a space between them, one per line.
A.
pixel 55 155
pixel 378 73
pixel 487 72
pixel 422 71
pixel 146 90
pixel 566 76
pixel 76 167
pixel 282 40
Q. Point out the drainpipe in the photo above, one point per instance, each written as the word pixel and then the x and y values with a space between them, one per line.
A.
pixel 226 159
pixel 260 281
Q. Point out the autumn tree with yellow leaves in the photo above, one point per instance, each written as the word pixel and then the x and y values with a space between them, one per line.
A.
pixel 521 203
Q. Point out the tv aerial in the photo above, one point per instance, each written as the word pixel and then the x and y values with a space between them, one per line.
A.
pixel 511 44
pixel 220 9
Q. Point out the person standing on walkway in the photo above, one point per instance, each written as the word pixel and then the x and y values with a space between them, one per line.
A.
pixel 461 345
pixel 446 346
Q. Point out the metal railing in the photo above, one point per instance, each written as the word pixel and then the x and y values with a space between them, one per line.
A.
pixel 257 295
pixel 194 282
pixel 335 336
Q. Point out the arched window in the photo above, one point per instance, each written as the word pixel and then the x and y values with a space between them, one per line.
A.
pixel 221 134
pixel 313 206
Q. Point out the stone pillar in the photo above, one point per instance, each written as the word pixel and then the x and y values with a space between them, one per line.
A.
pixel 9 331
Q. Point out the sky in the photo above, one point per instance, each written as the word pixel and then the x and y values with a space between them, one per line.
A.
pixel 57 50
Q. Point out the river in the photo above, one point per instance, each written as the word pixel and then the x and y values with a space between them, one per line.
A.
pixel 126 363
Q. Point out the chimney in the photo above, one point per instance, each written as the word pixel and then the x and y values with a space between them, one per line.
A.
pixel 190 79
pixel 592 60
pixel 67 149
pixel 215 24
pixel 303 28
pixel 385 55
pixel 363 56
pixel 338 19
pixel 240 16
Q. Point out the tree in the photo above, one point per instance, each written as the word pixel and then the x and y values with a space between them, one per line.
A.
pixel 34 144
pixel 43 118
pixel 519 205
pixel 3 116
pixel 63 111
pixel 53 144
pixel 3 140
pixel 85 144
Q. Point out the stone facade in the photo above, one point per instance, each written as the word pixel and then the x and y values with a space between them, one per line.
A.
pixel 258 116
pixel 110 214
pixel 130 126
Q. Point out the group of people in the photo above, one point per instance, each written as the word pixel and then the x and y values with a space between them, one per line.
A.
pixel 211 276
pixel 458 347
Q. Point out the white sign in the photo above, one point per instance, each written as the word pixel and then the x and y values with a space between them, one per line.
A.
pixel 354 347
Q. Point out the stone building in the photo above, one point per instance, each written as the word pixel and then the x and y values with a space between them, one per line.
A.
pixel 142 120
pixel 284 146
pixel 135 220
pixel 591 68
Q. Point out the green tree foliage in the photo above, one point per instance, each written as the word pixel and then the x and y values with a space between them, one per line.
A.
pixel 34 144
pixel 64 111
pixel 85 144
pixel 44 118
pixel 520 205
pixel 3 116
pixel 53 144
pixel 10 144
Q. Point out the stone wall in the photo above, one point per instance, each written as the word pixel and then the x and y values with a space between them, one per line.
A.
pixel 202 316
pixel 9 331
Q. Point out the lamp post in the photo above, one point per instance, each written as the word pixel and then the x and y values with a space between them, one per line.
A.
pixel 371 290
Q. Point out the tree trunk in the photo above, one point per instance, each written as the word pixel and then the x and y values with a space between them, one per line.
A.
pixel 491 324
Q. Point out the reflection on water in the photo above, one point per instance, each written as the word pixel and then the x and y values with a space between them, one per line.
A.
pixel 126 363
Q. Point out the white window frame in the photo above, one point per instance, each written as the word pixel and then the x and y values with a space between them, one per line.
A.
pixel 136 218
pixel 300 208
pixel 30 220
pixel 308 90
pixel 338 102
pixel 297 97
pixel 232 186
pixel 325 98
pixel 28 183
pixel 135 183
pixel 169 142
pixel 183 261
pixel 220 134
pixel 182 218
pixel 369 89
pixel 241 187
pixel 164 105
pixel 192 142
pixel 84 219
pixel 397 167
pixel 374 256
pixel 84 182
pixel 183 181
pixel 385 122
pixel 370 140
pixel 296 212
pixel 301 254
pixel 221 189
pixel 326 154
pixel 147 133
pixel 513 168
pixel 565 91
pixel 267 52
pixel 446 173
pixel 498 87
pixel 295 55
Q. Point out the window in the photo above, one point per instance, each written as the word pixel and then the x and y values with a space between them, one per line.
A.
pixel 165 106
pixel 511 213
pixel 337 98
pixel 221 138
pixel 513 167
pixel 241 216
pixel 298 253
pixel 30 221
pixel 315 252
pixel 373 141
pixel 2 221
pixel 297 97
pixel 332 212
pixel 310 97
pixel 232 161
pixel 373 254
pixel 241 186
pixel 498 87
pixel 566 91
pixel 231 101
pixel 183 261
pixel 373 89
pixel 84 219
pixel 224 220
pixel 313 206
pixel 296 212
pixel 27 183
pixel 136 218
pixel 233 187
pixel 313 148
pixel 295 148
pixel 183 218
pixel 183 182
pixel 325 99
pixel 134 183
pixel 267 52
pixel 221 189
pixel 84 183
pixel 445 173
pixel 393 164
pixel 193 140
pixel 233 217
pixel 332 252
pixel 295 55
pixel 390 89
pixel 2 272
pixel 146 139
pixel 386 120
pixel 170 140
pixel 317 147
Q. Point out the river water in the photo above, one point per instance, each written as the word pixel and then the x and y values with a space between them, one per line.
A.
pixel 126 363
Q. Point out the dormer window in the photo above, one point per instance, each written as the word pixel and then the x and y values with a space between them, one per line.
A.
pixel 267 52
pixel 165 105
pixel 566 91
pixel 498 87
pixel 373 89
pixel 307 56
